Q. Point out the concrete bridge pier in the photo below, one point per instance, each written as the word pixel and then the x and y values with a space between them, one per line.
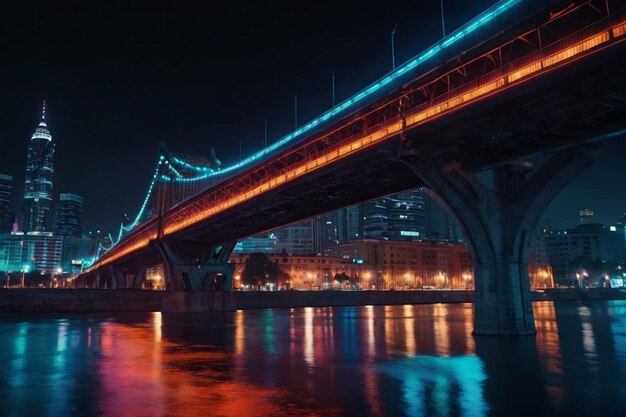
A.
pixel 118 279
pixel 137 278
pixel 499 222
pixel 196 281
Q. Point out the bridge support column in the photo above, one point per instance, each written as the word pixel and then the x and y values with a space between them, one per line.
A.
pixel 118 279
pixel 197 283
pixel 499 223
pixel 138 277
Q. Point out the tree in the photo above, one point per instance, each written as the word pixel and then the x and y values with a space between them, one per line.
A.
pixel 258 270
pixel 343 278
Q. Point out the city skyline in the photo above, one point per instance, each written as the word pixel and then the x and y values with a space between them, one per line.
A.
pixel 107 124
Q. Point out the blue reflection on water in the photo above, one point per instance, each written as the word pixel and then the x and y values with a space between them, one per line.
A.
pixel 459 377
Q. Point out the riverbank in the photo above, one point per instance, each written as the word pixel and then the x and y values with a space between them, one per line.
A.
pixel 66 300
pixel 46 300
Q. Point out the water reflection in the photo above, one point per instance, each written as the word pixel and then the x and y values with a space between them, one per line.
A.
pixel 373 360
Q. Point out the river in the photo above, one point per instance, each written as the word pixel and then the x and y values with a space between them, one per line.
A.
pixel 407 360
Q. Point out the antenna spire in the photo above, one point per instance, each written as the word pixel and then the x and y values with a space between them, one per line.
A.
pixel 43 112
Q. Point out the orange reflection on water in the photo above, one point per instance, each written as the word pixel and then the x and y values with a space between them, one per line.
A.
pixel 371 336
pixel 468 325
pixel 240 341
pixel 309 353
pixel 548 346
pixel 142 378
pixel 442 333
pixel 409 330
pixel 548 335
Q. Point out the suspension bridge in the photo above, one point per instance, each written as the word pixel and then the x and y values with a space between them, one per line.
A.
pixel 524 78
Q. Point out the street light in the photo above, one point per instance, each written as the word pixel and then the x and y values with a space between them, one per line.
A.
pixel 24 271
pixel 467 279
pixel 366 276
pixel 440 279
pixel 407 277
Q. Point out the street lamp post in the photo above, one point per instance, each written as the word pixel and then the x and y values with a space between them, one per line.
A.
pixel 295 109
pixel 333 75
pixel 443 23
pixel 24 272
pixel 393 48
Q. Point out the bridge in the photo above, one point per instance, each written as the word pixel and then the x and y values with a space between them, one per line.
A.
pixel 526 78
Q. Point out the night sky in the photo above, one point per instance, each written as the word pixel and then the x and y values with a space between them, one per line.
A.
pixel 119 79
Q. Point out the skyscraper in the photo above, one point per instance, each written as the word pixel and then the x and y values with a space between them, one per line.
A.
pixel 396 217
pixel 349 223
pixel 6 215
pixel 39 174
pixel 69 215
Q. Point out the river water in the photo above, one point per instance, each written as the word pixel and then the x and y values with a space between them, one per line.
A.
pixel 349 361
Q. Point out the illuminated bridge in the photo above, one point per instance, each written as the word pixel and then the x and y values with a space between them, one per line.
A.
pixel 524 78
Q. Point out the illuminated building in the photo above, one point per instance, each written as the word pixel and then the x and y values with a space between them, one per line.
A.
pixel 311 272
pixel 6 191
pixel 69 215
pixel 39 175
pixel 402 264
pixel 32 252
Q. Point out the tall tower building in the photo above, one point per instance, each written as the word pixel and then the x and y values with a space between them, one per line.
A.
pixel 39 174
pixel 69 215
pixel 6 215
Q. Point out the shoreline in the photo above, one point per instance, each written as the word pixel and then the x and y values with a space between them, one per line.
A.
pixel 47 300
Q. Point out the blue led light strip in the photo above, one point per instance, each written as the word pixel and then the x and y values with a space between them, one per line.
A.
pixel 488 15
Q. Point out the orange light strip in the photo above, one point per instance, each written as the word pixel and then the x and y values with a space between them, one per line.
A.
pixel 417 119
pixel 619 30
pixel 135 246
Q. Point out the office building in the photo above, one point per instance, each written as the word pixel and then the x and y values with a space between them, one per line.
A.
pixel 69 215
pixel 6 192
pixel 590 241
pixel 396 217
